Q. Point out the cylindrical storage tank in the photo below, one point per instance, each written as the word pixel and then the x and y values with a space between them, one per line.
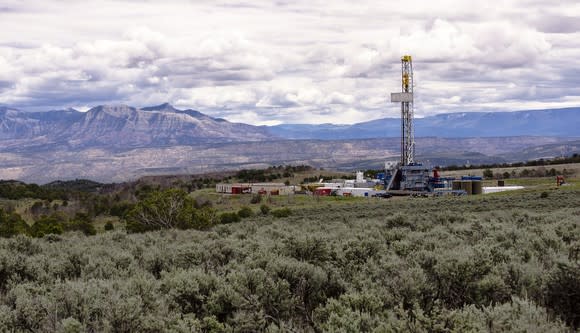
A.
pixel 466 186
pixel 456 185
pixel 501 182
pixel 476 187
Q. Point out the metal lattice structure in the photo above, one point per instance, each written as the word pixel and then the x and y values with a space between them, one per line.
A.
pixel 405 97
pixel 410 177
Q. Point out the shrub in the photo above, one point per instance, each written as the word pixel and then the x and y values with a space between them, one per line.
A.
pixel 311 249
pixel 47 225
pixel 227 217
pixel 109 226
pixel 71 325
pixel 245 212
pixel 310 284
pixel 263 298
pixel 350 313
pixel 563 293
pixel 465 281
pixel 544 195
pixel 256 198
pixel 517 315
pixel 265 209
pixel 488 174
pixel 81 223
pixel 441 265
pixel 204 218
pixel 282 212
pixel 189 290
pixel 399 221
pixel 119 209
pixel 11 224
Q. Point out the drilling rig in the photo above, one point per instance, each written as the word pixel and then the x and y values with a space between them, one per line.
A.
pixel 407 176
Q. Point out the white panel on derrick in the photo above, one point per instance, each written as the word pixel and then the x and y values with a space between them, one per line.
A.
pixel 401 97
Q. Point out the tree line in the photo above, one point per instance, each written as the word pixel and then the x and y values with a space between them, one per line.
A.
pixel 575 158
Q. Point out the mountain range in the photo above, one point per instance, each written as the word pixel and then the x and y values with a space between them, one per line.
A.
pixel 117 143
pixel 551 122
pixel 122 127
pixel 118 127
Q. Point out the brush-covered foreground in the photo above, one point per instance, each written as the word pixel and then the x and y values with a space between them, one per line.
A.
pixel 506 263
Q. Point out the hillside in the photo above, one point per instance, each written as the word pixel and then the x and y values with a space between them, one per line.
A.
pixel 105 165
pixel 117 127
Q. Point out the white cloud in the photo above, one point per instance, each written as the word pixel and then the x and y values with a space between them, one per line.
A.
pixel 300 61
pixel 218 97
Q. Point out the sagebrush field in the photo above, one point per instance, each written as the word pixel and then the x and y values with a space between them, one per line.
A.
pixel 496 263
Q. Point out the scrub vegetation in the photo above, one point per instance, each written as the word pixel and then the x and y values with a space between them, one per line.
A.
pixel 177 263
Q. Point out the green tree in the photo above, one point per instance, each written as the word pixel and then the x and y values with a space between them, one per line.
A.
pixel 11 224
pixel 488 174
pixel 166 209
pixel 52 224
pixel 82 222
pixel 120 208
pixel 160 210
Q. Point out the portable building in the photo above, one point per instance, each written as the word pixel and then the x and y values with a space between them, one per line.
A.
pixel 273 188
pixel 323 191
pixel 356 192
pixel 238 188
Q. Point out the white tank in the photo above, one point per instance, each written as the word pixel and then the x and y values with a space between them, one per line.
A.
pixel 359 177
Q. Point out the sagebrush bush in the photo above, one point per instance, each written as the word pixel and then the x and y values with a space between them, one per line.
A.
pixel 226 218
pixel 256 199
pixel 265 209
pixel 245 212
pixel 498 263
pixel 281 212
pixel 563 293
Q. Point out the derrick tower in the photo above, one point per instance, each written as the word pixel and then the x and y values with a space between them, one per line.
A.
pixel 410 176
pixel 405 97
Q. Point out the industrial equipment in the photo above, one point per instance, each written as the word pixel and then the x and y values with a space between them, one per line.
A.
pixel 408 176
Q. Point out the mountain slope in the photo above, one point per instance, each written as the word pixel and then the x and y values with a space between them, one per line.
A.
pixel 119 127
pixel 15 124
pixel 553 122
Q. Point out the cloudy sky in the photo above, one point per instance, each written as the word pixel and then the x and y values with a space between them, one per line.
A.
pixel 300 61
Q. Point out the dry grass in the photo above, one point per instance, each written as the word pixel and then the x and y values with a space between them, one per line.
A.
pixel 574 167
